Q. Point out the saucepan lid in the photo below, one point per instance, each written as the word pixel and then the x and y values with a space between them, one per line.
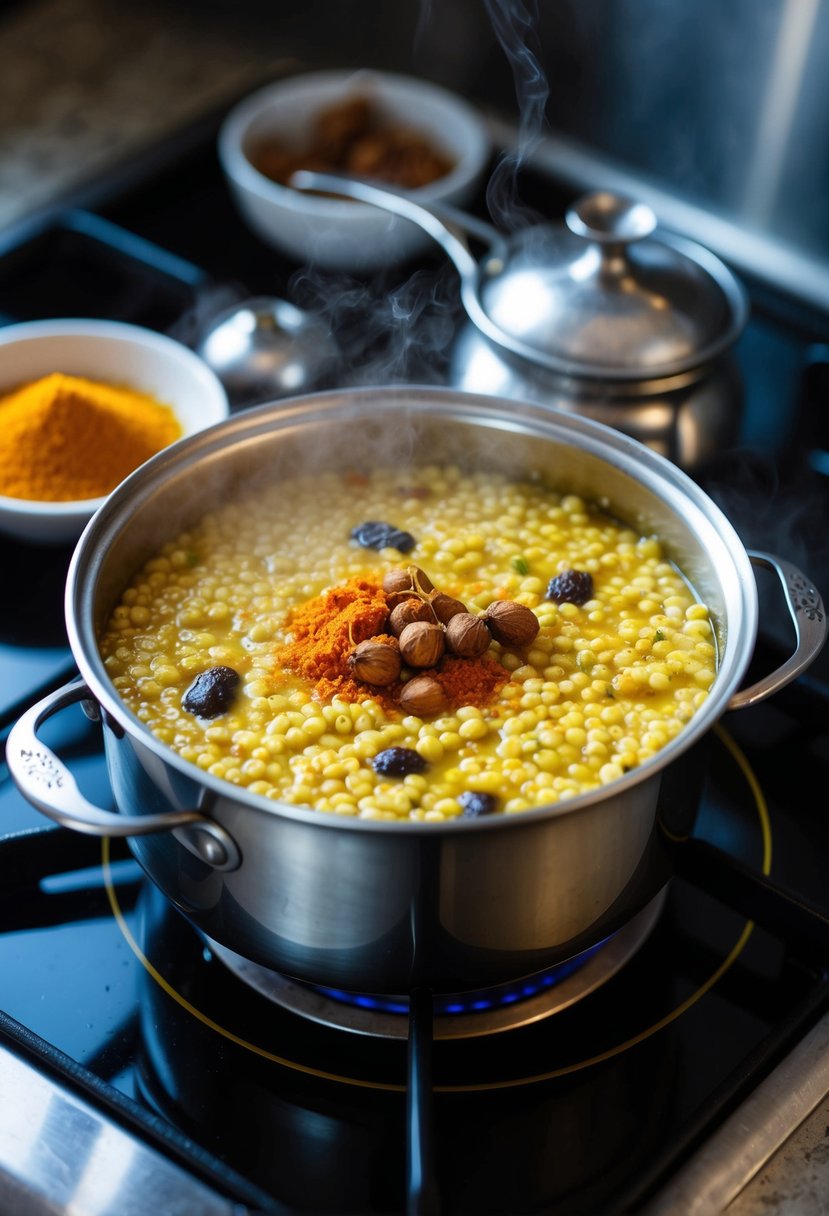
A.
pixel 605 295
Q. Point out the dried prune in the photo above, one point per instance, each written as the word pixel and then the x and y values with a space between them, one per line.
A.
pixel 571 587
pixel 375 534
pixel 212 692
pixel 476 804
pixel 398 762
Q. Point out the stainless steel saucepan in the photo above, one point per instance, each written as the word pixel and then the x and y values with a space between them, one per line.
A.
pixel 369 905
pixel 605 315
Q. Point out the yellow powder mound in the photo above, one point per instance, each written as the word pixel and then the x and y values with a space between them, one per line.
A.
pixel 64 437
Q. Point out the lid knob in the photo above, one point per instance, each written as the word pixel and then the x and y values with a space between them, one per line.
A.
pixel 610 218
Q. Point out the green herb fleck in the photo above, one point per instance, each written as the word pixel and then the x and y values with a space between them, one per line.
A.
pixel 659 636
pixel 611 693
pixel 521 565
pixel 192 559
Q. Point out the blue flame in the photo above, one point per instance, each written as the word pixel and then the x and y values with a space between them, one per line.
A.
pixel 473 1002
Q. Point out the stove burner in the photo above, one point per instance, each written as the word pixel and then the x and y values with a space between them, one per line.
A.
pixel 463 1016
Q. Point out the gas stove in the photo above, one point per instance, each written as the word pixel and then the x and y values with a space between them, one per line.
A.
pixel 146 1068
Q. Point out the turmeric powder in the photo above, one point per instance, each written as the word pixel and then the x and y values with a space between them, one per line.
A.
pixel 64 438
pixel 471 681
pixel 326 629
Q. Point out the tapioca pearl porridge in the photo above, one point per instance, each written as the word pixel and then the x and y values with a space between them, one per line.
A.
pixel 602 686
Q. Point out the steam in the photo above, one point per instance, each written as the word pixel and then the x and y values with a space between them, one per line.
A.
pixel 403 333
pixel 397 336
pixel 515 23
pixel 404 336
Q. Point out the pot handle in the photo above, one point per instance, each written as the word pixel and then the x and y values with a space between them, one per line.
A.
pixel 809 618
pixel 48 785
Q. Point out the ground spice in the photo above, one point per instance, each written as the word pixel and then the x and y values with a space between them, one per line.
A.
pixel 471 681
pixel 64 438
pixel 326 629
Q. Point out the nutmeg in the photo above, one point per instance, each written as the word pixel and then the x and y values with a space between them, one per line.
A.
pixel 406 612
pixel 410 579
pixel 376 662
pixel 445 607
pixel 423 697
pixel 421 644
pixel 467 636
pixel 510 623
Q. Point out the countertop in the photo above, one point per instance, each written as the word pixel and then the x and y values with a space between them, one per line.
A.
pixel 86 85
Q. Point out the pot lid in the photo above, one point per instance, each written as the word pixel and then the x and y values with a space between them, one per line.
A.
pixel 604 297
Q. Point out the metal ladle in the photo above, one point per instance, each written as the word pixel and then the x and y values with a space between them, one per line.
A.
pixel 265 348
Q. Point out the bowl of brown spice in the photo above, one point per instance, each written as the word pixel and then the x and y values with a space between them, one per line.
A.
pixel 83 403
pixel 397 131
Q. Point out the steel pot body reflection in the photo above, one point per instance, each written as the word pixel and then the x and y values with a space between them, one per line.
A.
pixel 687 419
pixel 371 905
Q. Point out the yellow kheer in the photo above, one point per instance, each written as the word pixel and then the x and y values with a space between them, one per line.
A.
pixel 603 685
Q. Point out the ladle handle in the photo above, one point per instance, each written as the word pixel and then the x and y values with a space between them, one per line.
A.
pixel 399 204
pixel 48 785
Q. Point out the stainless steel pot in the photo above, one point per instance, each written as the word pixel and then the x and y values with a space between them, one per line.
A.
pixel 602 316
pixel 368 905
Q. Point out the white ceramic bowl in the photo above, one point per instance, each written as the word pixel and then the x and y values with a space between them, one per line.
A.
pixel 100 350
pixel 339 234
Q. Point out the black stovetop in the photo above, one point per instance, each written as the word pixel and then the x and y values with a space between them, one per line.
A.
pixel 589 1111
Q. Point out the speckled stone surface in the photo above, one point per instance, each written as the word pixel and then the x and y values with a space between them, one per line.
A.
pixel 796 1180
pixel 85 84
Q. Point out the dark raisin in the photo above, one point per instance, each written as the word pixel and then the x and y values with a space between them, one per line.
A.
pixel 398 762
pixel 374 534
pixel 212 692
pixel 573 587
pixel 475 804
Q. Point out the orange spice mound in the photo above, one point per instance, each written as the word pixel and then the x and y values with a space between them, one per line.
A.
pixel 327 628
pixel 471 681
pixel 65 438
pixel 325 631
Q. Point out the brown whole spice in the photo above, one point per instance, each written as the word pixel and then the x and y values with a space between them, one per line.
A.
pixel 445 607
pixel 510 623
pixel 423 696
pixel 421 644
pixel 411 579
pixel 407 612
pixel 467 636
pixel 376 662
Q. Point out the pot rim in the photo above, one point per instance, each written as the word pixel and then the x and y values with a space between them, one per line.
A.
pixel 616 448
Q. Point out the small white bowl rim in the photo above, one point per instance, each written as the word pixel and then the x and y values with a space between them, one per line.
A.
pixel 56 327
pixel 125 331
pixel 235 126
pixel 39 508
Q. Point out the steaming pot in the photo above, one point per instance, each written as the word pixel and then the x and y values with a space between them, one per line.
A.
pixel 365 904
pixel 598 316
